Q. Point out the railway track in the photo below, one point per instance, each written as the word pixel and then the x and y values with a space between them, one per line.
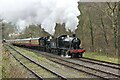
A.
pixel 91 71
pixel 83 68
pixel 32 66
pixel 103 63
pixel 100 65
pixel 86 69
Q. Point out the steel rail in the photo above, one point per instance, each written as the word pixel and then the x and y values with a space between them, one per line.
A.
pixel 85 67
pixel 53 72
pixel 103 63
pixel 77 65
pixel 82 66
pixel 39 77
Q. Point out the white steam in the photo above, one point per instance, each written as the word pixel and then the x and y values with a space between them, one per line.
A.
pixel 44 12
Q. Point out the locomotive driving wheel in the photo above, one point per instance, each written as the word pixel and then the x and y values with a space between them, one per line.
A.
pixel 76 55
pixel 72 55
pixel 80 55
pixel 64 53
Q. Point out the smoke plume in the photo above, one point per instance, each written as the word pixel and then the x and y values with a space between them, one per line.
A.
pixel 44 12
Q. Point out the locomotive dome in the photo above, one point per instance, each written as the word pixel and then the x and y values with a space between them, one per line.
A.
pixel 68 39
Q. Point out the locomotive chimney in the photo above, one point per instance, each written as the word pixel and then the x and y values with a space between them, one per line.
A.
pixel 74 35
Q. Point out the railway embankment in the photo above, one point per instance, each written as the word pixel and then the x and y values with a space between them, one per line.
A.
pixel 0 60
pixel 11 68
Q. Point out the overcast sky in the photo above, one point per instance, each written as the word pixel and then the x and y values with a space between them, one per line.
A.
pixel 99 0
pixel 44 12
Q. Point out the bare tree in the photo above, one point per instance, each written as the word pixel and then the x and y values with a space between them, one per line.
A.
pixel 92 36
pixel 119 30
pixel 104 30
pixel 113 12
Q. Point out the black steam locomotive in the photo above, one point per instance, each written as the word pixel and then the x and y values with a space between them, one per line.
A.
pixel 63 45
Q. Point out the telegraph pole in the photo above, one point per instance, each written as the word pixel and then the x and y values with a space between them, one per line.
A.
pixel 3 37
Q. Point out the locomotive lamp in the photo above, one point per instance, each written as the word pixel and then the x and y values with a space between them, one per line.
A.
pixel 50 38
pixel 68 36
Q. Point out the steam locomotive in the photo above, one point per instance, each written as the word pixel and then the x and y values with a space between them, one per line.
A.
pixel 63 45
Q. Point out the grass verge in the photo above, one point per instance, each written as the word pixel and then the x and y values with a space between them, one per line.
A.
pixel 102 57
pixel 11 68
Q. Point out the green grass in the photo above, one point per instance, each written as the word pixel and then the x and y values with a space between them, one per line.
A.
pixel 102 57
pixel 31 54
